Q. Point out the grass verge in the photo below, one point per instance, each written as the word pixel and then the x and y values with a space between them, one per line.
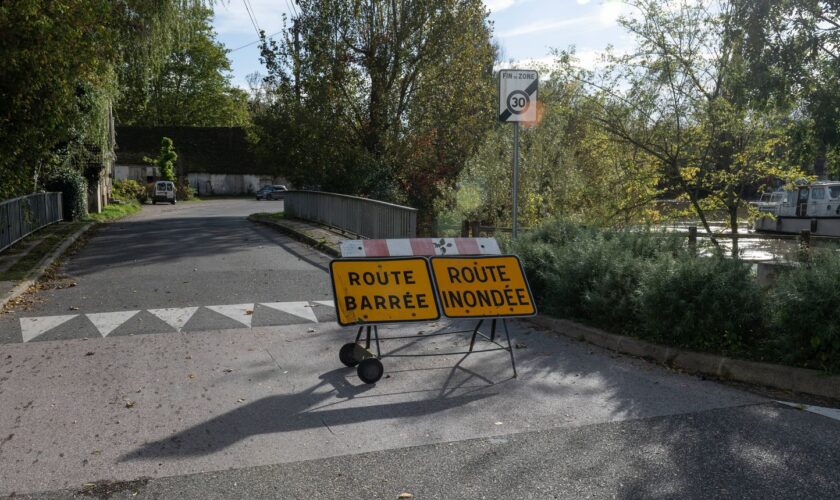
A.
pixel 269 216
pixel 52 237
pixel 113 212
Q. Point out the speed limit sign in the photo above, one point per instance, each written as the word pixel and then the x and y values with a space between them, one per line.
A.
pixel 518 95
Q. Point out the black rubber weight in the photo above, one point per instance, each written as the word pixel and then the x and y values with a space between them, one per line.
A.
pixel 347 355
pixel 370 370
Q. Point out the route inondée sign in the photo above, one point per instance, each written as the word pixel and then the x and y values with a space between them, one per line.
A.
pixel 482 287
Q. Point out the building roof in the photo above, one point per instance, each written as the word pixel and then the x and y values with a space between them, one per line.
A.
pixel 215 150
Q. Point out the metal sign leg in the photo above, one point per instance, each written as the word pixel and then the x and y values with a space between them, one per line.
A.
pixel 510 348
pixel 475 332
pixel 376 336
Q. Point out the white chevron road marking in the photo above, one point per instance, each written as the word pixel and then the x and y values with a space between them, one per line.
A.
pixel 238 312
pixel 176 317
pixel 34 327
pixel 110 321
pixel 299 309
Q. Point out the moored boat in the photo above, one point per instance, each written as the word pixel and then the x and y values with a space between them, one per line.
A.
pixel 813 207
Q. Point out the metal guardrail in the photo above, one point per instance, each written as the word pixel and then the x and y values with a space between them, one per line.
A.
pixel 20 217
pixel 360 216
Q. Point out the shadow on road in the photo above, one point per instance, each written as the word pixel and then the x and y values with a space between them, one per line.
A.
pixel 148 242
pixel 291 412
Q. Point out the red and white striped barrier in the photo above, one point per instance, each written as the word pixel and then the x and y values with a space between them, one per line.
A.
pixel 420 247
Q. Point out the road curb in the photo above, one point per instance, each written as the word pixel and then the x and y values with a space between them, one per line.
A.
pixel 42 266
pixel 787 378
pixel 325 247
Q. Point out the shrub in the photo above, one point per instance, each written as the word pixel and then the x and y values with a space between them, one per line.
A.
pixel 707 303
pixel 128 191
pixel 165 160
pixel 805 311
pixel 73 187
pixel 588 273
pixel 148 192
pixel 184 191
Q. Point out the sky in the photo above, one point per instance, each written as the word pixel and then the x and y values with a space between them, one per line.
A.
pixel 526 30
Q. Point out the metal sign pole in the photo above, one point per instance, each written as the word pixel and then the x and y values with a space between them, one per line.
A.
pixel 515 177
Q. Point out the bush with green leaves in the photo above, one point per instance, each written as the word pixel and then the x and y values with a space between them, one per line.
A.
pixel 588 273
pixel 129 191
pixel 73 187
pixel 165 161
pixel 707 304
pixel 805 307
pixel 184 191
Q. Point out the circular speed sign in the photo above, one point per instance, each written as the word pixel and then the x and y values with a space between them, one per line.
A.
pixel 518 102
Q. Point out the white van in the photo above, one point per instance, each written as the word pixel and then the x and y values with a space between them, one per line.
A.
pixel 164 191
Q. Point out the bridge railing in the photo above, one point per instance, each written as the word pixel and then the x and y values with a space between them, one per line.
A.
pixel 360 216
pixel 23 216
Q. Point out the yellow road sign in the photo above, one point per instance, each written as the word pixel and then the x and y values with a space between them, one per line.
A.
pixel 482 287
pixel 383 290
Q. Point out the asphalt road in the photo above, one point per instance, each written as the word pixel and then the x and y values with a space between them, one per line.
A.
pixel 237 403
pixel 191 255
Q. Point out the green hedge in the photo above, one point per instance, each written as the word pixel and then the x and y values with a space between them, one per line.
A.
pixel 128 191
pixel 73 187
pixel 806 314
pixel 648 285
pixel 707 304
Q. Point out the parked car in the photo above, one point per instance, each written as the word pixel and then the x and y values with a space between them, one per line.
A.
pixel 271 192
pixel 164 191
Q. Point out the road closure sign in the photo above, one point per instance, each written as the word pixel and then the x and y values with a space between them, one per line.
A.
pixel 378 290
pixel 482 287
pixel 518 95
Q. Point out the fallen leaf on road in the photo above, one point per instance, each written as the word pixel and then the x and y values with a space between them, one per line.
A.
pixel 191 375
pixel 227 370
pixel 129 403
pixel 249 312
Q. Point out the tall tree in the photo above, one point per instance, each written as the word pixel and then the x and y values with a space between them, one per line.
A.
pixel 63 65
pixel 682 96
pixel 192 87
pixel 389 82
pixel 794 51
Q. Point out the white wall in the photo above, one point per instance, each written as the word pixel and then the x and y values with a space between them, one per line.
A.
pixel 204 184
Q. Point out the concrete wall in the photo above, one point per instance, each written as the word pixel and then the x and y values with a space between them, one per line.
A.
pixel 210 184
pixel 205 184
pixel 139 173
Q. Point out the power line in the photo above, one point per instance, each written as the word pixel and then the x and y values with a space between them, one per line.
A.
pixel 253 22
pixel 255 41
pixel 291 7
pixel 254 14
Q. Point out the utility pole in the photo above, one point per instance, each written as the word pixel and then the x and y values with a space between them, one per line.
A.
pixel 296 31
pixel 515 214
